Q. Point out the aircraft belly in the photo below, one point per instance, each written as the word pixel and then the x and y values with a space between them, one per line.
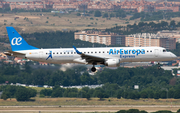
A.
pixel 63 59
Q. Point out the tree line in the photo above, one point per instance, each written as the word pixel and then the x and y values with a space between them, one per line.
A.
pixel 121 14
pixel 143 111
pixel 153 83
pixel 116 13
pixel 144 27
pixel 18 92
pixel 155 16
pixel 110 90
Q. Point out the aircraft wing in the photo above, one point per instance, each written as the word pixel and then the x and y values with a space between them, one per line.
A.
pixel 12 53
pixel 89 58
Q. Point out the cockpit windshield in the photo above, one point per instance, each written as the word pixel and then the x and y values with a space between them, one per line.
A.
pixel 164 50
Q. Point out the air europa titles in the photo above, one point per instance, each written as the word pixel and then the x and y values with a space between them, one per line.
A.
pixel 127 53
pixel 130 51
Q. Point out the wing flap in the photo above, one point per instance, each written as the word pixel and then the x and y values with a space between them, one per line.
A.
pixel 91 57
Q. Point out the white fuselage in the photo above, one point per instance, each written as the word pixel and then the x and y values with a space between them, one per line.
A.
pixel 124 54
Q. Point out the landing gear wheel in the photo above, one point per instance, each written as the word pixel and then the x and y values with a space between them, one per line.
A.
pixel 159 67
pixel 93 69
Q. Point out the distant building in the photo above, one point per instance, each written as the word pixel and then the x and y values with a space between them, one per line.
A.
pixel 150 40
pixel 172 34
pixel 81 86
pixel 145 8
pixel 168 9
pixel 26 5
pixel 99 37
pixel 104 5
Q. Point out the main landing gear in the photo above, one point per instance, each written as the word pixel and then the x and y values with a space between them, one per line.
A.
pixel 93 69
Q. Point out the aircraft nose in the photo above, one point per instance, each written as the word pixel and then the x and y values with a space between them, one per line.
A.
pixel 173 56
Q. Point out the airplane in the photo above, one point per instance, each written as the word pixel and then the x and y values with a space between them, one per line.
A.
pixel 108 56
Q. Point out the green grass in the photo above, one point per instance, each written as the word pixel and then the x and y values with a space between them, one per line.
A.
pixel 82 101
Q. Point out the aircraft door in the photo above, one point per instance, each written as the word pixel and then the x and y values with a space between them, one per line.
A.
pixel 156 52
pixel 40 54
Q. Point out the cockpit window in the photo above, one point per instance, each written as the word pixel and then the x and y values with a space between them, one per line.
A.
pixel 164 50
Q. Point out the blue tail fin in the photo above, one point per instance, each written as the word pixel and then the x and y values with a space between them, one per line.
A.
pixel 16 41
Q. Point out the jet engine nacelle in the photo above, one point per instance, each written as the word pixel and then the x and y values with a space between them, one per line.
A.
pixel 112 62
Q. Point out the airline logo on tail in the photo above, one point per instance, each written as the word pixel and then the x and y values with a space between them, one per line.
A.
pixel 16 41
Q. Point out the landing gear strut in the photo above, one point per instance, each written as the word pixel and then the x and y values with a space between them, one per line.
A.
pixel 159 67
pixel 93 69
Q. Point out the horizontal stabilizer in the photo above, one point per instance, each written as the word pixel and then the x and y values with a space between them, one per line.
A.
pixel 12 53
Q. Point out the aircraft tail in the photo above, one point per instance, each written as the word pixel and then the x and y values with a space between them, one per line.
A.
pixel 16 41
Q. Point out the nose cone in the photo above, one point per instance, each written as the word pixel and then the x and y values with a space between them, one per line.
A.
pixel 173 56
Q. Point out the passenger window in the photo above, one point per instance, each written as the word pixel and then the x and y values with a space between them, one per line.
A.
pixel 46 53
pixel 164 50
pixel 57 52
pixel 91 52
pixel 107 51
pixel 103 51
pixel 67 52
pixel 151 51
pixel 95 52
pixel 99 51
pixel 64 52
pixel 53 53
pixel 84 52
pixel 147 51
pixel 88 52
pixel 74 52
pixel 71 52
pixel 60 52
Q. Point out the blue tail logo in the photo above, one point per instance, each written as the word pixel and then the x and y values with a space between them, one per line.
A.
pixel 16 41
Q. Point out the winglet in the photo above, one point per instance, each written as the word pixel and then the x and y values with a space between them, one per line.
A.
pixel 77 50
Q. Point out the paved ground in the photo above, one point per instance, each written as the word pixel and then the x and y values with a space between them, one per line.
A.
pixel 88 108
